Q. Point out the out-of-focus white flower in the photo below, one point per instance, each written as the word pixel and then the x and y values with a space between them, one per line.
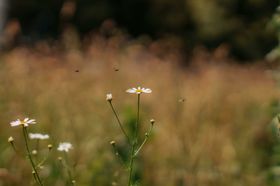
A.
pixel 34 152
pixel 65 146
pixel 113 143
pixel 109 97
pixel 139 90
pixel 50 146
pixel 38 136
pixel 10 139
pixel 24 122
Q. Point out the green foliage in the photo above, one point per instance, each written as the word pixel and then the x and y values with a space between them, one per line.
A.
pixel 275 22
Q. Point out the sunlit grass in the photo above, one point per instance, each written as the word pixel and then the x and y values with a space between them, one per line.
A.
pixel 212 120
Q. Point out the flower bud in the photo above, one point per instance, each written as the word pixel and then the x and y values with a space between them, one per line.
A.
pixel 50 146
pixel 34 152
pixel 113 143
pixel 109 97
pixel 152 121
pixel 10 139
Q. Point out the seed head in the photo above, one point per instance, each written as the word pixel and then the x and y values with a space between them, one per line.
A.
pixel 109 97
pixel 10 139
pixel 34 152
pixel 152 121
pixel 113 143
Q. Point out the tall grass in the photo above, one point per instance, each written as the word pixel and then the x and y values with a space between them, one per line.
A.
pixel 212 119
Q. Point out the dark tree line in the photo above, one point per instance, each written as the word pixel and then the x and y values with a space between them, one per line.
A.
pixel 241 24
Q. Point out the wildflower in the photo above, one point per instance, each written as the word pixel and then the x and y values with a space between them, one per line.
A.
pixel 109 97
pixel 38 136
pixel 10 139
pixel 65 146
pixel 50 146
pixel 113 143
pixel 139 90
pixel 152 121
pixel 34 152
pixel 24 122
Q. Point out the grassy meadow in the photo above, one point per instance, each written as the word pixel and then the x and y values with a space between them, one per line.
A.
pixel 213 121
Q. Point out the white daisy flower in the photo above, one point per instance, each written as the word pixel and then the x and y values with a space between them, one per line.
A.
pixel 24 122
pixel 65 146
pixel 38 136
pixel 139 90
pixel 109 97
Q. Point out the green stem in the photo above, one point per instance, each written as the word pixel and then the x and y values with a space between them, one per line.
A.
pixel 43 161
pixel 137 121
pixel 68 169
pixel 135 141
pixel 38 180
pixel 144 142
pixel 119 122
pixel 131 165
pixel 118 155
pixel 13 146
pixel 37 145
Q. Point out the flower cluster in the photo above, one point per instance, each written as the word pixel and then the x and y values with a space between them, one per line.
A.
pixel 65 147
pixel 134 146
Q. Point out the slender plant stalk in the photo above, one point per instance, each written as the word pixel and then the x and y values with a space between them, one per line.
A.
pixel 119 122
pixel 43 161
pixel 131 164
pixel 68 169
pixel 118 155
pixel 137 121
pixel 13 146
pixel 134 143
pixel 143 143
pixel 34 176
pixel 37 144
pixel 147 135
pixel 38 180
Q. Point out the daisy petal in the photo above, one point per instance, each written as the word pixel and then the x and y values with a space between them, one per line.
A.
pixel 131 91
